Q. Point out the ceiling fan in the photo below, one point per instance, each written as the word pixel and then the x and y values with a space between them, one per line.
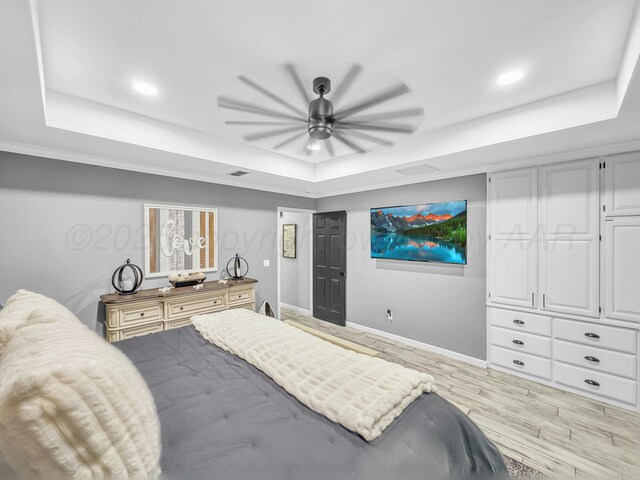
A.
pixel 319 121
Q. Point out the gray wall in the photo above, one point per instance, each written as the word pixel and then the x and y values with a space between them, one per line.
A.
pixel 295 279
pixel 441 305
pixel 66 227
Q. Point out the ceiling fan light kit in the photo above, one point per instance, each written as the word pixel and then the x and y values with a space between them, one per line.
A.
pixel 323 123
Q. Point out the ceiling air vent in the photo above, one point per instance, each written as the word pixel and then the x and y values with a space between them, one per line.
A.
pixel 418 170
pixel 238 173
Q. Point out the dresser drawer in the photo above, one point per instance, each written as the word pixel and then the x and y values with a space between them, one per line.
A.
pixel 177 323
pixel 598 335
pixel 595 382
pixel 522 362
pixel 596 359
pixel 140 330
pixel 521 342
pixel 181 307
pixel 135 314
pixel 524 322
pixel 240 296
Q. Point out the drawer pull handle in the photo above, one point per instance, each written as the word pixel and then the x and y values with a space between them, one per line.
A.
pixel 592 382
pixel 518 342
pixel 591 335
pixel 518 362
pixel 518 322
pixel 142 314
pixel 592 359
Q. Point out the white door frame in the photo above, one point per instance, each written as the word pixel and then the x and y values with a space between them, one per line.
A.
pixel 279 255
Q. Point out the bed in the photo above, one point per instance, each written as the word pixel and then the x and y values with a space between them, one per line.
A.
pixel 222 418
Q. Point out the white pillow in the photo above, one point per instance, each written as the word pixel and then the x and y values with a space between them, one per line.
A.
pixel 19 307
pixel 73 406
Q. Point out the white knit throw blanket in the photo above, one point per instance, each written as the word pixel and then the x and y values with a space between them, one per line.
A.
pixel 362 393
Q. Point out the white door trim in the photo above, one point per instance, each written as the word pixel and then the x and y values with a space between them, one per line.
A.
pixel 279 254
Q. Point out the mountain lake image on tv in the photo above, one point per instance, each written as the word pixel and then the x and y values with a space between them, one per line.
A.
pixel 433 232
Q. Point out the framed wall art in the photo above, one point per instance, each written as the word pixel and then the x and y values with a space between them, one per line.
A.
pixel 289 240
pixel 180 239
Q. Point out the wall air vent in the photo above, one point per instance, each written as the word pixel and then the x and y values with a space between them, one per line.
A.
pixel 418 170
pixel 238 173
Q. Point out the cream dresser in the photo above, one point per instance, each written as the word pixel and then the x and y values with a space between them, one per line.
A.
pixel 147 311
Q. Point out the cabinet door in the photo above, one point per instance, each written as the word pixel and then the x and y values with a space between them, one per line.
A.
pixel 622 184
pixel 622 267
pixel 569 237
pixel 512 243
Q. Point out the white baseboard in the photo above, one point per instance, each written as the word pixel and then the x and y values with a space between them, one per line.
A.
pixel 295 309
pixel 476 362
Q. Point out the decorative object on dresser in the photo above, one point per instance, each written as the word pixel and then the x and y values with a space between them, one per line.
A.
pixel 289 240
pixel 563 263
pixel 127 278
pixel 186 279
pixel 149 311
pixel 237 272
pixel 180 239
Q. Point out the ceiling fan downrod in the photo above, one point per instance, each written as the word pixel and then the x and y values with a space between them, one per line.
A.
pixel 320 123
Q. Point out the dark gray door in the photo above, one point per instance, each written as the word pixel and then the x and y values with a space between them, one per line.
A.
pixel 330 266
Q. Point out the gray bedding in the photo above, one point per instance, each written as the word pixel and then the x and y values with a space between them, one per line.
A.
pixel 221 418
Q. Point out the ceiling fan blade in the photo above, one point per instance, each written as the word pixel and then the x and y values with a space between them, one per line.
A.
pixel 347 142
pixel 346 82
pixel 329 146
pixel 232 104
pixel 272 133
pixel 370 138
pixel 374 100
pixel 411 112
pixel 296 79
pixel 272 96
pixel 289 140
pixel 233 122
pixel 374 128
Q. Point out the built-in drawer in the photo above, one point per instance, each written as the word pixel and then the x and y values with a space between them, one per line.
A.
pixel 524 322
pixel 140 330
pixel 522 362
pixel 604 336
pixel 240 296
pixel 181 307
pixel 521 342
pixel 134 314
pixel 595 382
pixel 177 323
pixel 595 358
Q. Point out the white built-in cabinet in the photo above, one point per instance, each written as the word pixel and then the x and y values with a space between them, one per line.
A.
pixel 568 237
pixel 513 251
pixel 622 177
pixel 563 275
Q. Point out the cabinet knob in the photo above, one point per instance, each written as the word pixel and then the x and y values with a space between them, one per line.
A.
pixel 181 308
pixel 518 342
pixel 592 359
pixel 518 322
pixel 142 314
pixel 518 362
pixel 592 335
pixel 592 382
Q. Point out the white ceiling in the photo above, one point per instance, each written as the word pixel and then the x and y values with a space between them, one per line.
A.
pixel 68 67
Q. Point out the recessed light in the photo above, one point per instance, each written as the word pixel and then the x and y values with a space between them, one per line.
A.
pixel 510 77
pixel 314 147
pixel 145 88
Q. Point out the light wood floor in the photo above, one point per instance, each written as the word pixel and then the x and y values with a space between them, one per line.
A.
pixel 558 433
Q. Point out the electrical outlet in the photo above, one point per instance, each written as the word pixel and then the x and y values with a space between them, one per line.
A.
pixel 266 263
pixel 389 315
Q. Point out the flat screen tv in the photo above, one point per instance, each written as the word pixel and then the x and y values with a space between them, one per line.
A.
pixel 432 232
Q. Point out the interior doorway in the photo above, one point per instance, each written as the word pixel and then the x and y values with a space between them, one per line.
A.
pixel 295 266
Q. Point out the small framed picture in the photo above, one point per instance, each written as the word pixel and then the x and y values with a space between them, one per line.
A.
pixel 289 240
